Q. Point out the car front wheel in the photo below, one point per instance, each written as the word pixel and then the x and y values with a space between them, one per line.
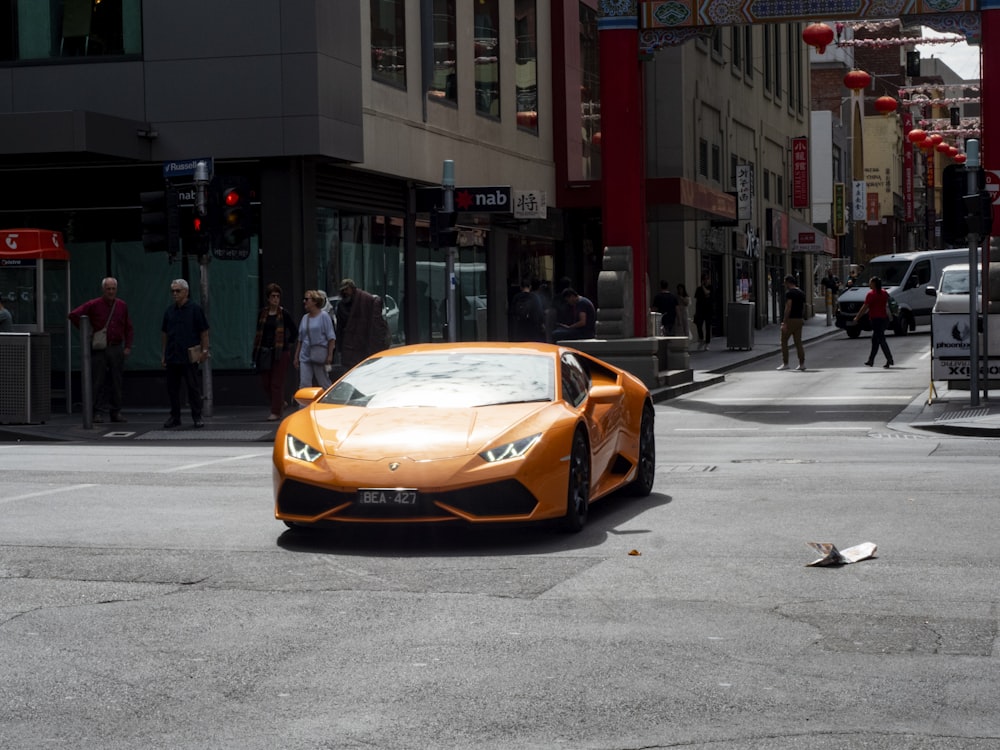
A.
pixel 642 485
pixel 578 490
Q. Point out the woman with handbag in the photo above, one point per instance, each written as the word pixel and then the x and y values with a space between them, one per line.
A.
pixel 314 351
pixel 272 345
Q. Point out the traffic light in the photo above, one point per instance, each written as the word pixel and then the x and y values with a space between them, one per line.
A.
pixel 235 218
pixel 955 208
pixel 201 235
pixel 443 231
pixel 160 221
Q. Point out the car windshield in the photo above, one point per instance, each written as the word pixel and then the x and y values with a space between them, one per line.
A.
pixel 890 271
pixel 955 282
pixel 447 379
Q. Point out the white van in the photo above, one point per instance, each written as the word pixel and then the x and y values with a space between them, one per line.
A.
pixel 951 295
pixel 905 276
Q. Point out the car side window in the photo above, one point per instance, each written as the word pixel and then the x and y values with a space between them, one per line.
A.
pixel 921 274
pixel 575 380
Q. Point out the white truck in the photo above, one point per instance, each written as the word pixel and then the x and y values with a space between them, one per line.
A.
pixel 905 276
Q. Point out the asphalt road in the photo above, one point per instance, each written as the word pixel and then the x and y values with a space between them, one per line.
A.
pixel 149 599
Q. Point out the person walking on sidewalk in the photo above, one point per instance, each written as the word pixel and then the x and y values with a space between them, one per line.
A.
pixel 791 324
pixel 110 345
pixel 877 306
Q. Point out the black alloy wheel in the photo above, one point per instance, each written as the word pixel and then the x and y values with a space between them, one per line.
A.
pixel 642 485
pixel 578 490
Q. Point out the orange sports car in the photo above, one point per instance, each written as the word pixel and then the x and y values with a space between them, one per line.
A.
pixel 476 432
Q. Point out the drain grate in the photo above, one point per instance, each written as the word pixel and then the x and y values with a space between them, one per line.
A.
pixel 951 416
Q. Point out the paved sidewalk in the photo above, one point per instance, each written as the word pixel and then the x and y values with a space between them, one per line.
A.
pixel 948 411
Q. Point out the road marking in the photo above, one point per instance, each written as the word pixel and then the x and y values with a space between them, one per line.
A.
pixel 828 428
pixel 716 429
pixel 808 399
pixel 186 467
pixel 43 493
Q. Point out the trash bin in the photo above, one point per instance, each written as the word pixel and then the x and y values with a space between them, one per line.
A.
pixel 740 318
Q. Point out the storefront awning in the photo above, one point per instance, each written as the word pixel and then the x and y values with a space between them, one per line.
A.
pixel 42 134
pixel 25 244
pixel 680 199
pixel 806 238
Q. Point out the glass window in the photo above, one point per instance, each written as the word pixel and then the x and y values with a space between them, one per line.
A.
pixel 703 157
pixel 716 162
pixel 388 42
pixel 766 57
pixel 50 29
pixel 575 380
pixel 487 57
pixel 367 248
pixel 526 64
pixel 590 93
pixel 444 84
pixel 735 37
pixel 748 51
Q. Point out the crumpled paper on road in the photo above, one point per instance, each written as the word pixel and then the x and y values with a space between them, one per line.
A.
pixel 830 555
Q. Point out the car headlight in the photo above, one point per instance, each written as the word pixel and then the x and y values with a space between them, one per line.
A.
pixel 515 449
pixel 295 448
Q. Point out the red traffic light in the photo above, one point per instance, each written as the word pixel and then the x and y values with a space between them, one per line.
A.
pixel 232 197
pixel 197 223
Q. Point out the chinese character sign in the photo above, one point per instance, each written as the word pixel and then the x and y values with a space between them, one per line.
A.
pixel 800 173
pixel 529 204
pixel 744 192
pixel 859 203
pixel 839 209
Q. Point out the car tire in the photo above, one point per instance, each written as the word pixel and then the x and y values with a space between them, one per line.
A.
pixel 853 332
pixel 901 325
pixel 642 485
pixel 578 486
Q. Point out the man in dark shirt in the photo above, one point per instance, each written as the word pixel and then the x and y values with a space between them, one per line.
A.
pixel 184 327
pixel 791 324
pixel 665 302
pixel 584 322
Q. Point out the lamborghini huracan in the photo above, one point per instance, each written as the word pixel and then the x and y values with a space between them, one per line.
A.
pixel 475 432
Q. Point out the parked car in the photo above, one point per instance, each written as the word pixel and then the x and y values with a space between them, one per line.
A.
pixel 475 432
pixel 951 295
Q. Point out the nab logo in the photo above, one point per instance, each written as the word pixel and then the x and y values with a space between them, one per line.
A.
pixel 482 199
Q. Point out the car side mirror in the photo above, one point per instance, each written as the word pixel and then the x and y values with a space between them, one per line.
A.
pixel 930 291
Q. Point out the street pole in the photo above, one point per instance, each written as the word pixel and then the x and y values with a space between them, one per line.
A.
pixel 972 188
pixel 448 189
pixel 206 366
pixel 86 373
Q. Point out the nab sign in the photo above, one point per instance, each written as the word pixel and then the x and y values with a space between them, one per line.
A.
pixel 490 199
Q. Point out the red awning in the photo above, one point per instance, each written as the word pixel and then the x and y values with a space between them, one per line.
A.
pixel 46 244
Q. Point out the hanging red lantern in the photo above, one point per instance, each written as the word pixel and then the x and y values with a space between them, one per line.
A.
pixel 916 135
pixel 942 147
pixel 960 158
pixel 952 150
pixel 934 139
pixel 886 105
pixel 817 35
pixel 857 80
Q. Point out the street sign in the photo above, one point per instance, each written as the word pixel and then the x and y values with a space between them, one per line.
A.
pixel 185 168
pixel 993 185
pixel 488 199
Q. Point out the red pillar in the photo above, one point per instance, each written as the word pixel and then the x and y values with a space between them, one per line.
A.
pixel 989 93
pixel 623 174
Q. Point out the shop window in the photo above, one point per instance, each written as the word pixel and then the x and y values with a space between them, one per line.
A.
pixel 716 159
pixel 526 64
pixel 444 83
pixel 703 157
pixel 54 29
pixel 388 33
pixel 487 57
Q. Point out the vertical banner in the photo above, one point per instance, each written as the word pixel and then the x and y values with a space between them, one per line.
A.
pixel 859 201
pixel 873 213
pixel 908 210
pixel 744 192
pixel 839 207
pixel 800 172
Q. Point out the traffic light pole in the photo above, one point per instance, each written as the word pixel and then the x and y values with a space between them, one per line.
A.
pixel 206 365
pixel 448 188
pixel 972 164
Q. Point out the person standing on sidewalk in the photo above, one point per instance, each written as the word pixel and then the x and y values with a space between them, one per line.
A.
pixel 184 328
pixel 109 316
pixel 877 306
pixel 703 312
pixel 791 324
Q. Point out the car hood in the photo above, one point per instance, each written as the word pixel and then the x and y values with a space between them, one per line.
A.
pixel 419 433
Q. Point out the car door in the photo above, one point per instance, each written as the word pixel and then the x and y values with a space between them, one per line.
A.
pixel 603 417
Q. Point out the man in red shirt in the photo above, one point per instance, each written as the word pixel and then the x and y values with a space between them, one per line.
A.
pixel 109 314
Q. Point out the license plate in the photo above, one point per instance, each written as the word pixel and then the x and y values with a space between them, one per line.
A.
pixel 387 498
